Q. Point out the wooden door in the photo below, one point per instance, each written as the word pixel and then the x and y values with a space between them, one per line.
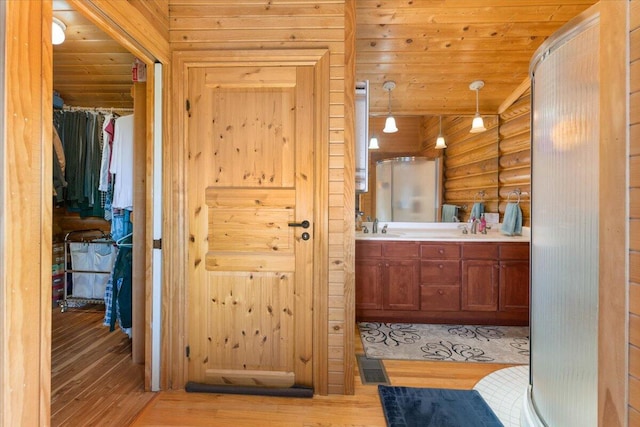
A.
pixel 250 178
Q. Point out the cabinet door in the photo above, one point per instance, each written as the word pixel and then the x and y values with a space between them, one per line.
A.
pixel 368 284
pixel 480 280
pixel 514 285
pixel 401 284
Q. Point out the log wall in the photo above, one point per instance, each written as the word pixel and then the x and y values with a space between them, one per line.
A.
pixel 470 165
pixel 514 156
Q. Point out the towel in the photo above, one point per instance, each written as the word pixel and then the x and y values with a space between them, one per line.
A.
pixel 448 212
pixel 477 210
pixel 512 222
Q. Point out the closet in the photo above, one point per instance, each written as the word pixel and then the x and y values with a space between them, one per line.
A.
pixel 93 178
pixel 93 82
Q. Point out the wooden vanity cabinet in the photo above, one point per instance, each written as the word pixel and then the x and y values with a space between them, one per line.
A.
pixel 386 275
pixel 442 282
pixel 495 277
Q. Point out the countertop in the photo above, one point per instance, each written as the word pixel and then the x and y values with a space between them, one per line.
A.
pixel 438 232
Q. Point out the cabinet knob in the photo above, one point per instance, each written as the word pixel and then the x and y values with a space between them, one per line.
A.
pixel 440 291
pixel 441 251
pixel 440 266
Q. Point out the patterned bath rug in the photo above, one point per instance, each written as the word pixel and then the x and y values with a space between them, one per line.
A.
pixel 454 343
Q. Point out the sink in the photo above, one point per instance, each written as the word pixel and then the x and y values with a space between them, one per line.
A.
pixel 379 235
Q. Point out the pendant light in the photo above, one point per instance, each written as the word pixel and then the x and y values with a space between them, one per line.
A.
pixel 57 31
pixel 440 143
pixel 478 123
pixel 390 123
pixel 373 143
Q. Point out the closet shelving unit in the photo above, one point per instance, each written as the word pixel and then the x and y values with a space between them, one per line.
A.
pixel 89 236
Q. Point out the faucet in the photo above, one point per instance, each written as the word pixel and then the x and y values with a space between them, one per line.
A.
pixel 474 226
pixel 374 228
pixel 384 229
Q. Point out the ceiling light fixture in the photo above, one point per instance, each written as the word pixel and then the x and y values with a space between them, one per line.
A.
pixel 373 143
pixel 390 123
pixel 57 31
pixel 440 143
pixel 478 123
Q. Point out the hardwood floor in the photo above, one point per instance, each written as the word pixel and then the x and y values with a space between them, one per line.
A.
pixel 93 380
pixel 178 408
pixel 94 383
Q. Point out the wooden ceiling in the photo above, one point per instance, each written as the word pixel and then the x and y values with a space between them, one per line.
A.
pixel 432 49
pixel 90 69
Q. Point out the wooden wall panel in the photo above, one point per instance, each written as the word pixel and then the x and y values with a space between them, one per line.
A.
pixel 345 327
pixel 634 195
pixel 156 12
pixel 197 25
pixel 25 213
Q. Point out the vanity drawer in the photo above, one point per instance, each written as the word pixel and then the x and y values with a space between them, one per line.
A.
pixel 480 251
pixel 440 298
pixel 401 249
pixel 368 250
pixel 440 250
pixel 439 272
pixel 514 251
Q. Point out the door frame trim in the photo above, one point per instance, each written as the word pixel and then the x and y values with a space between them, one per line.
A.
pixel 174 320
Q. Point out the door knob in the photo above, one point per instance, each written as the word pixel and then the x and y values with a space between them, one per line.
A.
pixel 303 224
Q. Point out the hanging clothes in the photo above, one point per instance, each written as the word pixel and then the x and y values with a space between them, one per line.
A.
pixel 122 163
pixel 107 141
pixel 59 182
pixel 80 133
pixel 121 310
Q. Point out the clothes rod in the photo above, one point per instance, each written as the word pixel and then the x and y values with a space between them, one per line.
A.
pixel 98 109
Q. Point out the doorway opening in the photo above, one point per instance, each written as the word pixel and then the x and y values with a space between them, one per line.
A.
pixel 91 359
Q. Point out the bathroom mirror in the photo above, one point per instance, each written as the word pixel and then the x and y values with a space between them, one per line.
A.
pixel 414 199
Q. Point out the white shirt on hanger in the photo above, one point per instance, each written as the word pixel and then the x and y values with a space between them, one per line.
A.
pixel 122 163
pixel 106 155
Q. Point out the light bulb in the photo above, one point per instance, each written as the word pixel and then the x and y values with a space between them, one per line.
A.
pixel 478 124
pixel 390 125
pixel 57 31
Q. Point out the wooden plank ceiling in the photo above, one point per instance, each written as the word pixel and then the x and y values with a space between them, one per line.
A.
pixel 432 49
pixel 90 69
